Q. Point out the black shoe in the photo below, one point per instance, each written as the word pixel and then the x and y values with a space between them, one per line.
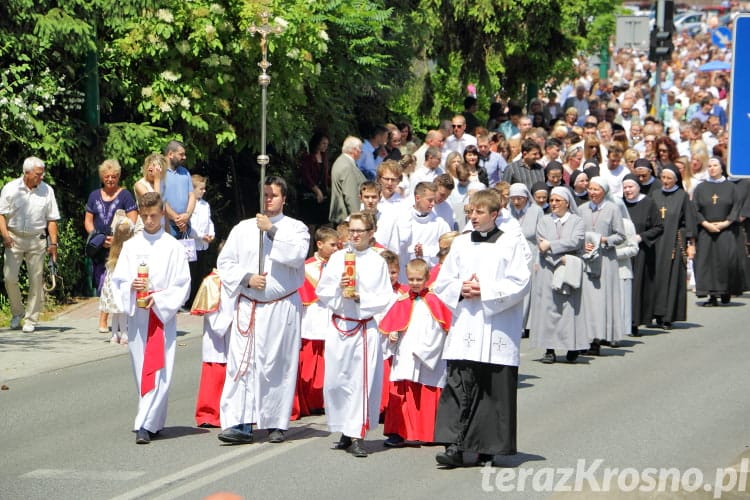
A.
pixel 485 459
pixel 356 449
pixel 276 436
pixel 452 457
pixel 342 444
pixel 711 302
pixel 595 349
pixel 571 356
pixel 725 299
pixel 235 436
pixel 666 326
pixel 634 331
pixel 394 441
pixel 549 358
pixel 604 342
pixel 142 436
pixel 206 425
pixel 525 333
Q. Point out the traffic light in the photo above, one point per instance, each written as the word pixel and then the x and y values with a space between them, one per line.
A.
pixel 661 35
pixel 661 46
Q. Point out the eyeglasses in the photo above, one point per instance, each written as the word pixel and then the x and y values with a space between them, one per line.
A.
pixel 358 231
pixel 457 125
pixel 390 179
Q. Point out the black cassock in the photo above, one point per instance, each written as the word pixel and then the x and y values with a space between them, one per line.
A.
pixel 648 226
pixel 677 215
pixel 719 267
pixel 743 188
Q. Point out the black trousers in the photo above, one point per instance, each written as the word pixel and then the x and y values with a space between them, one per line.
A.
pixel 477 408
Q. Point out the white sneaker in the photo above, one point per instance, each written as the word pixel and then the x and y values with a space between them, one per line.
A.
pixel 124 340
pixel 114 339
pixel 15 323
pixel 28 327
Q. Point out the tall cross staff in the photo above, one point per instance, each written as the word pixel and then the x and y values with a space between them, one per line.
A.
pixel 264 79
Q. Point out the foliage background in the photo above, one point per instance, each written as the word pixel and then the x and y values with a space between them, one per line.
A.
pixel 85 80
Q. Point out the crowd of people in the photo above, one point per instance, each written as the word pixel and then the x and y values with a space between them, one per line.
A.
pixel 404 295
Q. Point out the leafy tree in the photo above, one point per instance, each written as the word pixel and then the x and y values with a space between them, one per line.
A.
pixel 188 69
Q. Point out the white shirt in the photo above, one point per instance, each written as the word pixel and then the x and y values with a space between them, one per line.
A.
pixel 424 174
pixel 28 210
pixel 458 145
pixel 201 224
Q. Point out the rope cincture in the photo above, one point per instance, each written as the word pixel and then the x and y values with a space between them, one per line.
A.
pixel 361 324
pixel 250 331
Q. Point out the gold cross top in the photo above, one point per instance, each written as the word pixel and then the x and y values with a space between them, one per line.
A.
pixel 264 29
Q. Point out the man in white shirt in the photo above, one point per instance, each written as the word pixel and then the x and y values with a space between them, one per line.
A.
pixel 433 139
pixel 460 139
pixel 430 169
pixel 28 219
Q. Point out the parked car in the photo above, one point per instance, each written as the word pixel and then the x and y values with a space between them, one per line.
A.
pixel 691 22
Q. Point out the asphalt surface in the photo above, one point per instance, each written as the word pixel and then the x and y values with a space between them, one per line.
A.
pixel 665 401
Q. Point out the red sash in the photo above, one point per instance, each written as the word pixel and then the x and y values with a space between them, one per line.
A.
pixel 313 270
pixel 153 355
pixel 398 317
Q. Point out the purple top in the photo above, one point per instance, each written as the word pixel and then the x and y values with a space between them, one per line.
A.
pixel 104 211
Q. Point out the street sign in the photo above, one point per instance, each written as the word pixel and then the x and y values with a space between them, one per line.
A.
pixel 738 161
pixel 721 36
pixel 632 32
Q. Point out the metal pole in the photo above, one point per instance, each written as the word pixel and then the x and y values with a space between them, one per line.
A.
pixel 263 79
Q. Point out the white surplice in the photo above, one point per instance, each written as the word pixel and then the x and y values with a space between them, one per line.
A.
pixel 417 356
pixel 216 330
pixel 262 363
pixel 488 328
pixel 426 231
pixel 169 280
pixel 354 361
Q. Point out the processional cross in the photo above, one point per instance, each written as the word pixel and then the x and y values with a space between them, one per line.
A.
pixel 264 79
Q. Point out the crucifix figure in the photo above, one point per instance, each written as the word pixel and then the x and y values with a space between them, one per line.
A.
pixel 663 211
pixel 715 198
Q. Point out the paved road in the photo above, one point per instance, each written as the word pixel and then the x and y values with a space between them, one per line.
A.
pixel 666 400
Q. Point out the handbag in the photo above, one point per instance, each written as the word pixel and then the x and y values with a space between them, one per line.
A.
pixel 189 244
pixel 94 248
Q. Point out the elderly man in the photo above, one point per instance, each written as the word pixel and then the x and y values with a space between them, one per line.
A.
pixel 434 138
pixel 345 181
pixel 28 224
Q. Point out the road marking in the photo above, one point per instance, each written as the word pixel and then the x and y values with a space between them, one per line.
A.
pixel 260 453
pixel 82 475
